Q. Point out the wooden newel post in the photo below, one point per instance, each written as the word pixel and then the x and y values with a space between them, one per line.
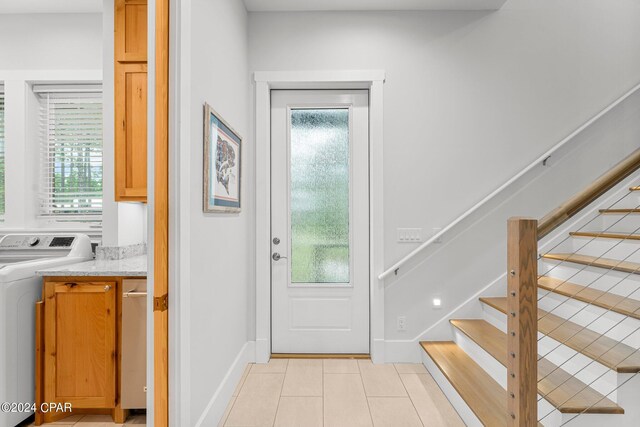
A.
pixel 522 324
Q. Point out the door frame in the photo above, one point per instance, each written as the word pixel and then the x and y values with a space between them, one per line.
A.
pixel 265 81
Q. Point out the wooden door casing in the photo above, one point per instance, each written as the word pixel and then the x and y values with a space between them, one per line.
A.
pixel 161 218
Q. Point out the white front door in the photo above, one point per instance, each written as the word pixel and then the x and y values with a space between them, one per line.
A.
pixel 320 221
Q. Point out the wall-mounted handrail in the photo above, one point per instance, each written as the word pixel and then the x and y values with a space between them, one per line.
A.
pixel 543 158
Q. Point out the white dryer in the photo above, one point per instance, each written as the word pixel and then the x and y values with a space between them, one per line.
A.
pixel 21 255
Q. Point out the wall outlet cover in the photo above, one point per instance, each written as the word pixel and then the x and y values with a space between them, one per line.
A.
pixel 409 235
pixel 402 323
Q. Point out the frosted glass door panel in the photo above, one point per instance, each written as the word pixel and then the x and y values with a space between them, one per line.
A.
pixel 319 198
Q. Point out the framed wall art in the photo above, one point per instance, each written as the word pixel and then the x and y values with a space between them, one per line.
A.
pixel 222 164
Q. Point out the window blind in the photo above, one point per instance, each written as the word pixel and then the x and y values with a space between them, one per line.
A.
pixel 71 152
pixel 1 152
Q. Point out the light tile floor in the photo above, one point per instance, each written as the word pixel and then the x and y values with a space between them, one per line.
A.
pixel 338 393
pixel 94 421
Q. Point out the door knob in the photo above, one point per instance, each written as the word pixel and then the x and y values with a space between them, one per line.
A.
pixel 276 256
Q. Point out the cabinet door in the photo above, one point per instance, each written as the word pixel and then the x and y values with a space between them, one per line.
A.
pixel 130 43
pixel 131 132
pixel 80 344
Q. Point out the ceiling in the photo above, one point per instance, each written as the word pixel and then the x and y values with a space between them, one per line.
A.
pixel 50 6
pixel 86 6
pixel 335 5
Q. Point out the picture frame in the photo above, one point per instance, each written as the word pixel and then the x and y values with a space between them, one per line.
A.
pixel 222 165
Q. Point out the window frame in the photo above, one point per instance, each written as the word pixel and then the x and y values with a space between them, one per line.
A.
pixel 2 153
pixel 46 197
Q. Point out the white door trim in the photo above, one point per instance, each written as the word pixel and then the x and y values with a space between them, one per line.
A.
pixel 372 80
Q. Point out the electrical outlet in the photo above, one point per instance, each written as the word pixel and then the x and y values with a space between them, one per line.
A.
pixel 409 235
pixel 402 323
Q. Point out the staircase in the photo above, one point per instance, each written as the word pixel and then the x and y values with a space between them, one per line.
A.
pixel 588 331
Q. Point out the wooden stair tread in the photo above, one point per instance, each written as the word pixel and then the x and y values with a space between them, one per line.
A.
pixel 618 303
pixel 609 352
pixel 610 264
pixel 565 392
pixel 603 235
pixel 619 211
pixel 484 396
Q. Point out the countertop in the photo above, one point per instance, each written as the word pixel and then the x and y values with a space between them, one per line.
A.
pixel 127 267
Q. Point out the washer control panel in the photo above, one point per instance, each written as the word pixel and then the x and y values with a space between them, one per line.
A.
pixel 37 241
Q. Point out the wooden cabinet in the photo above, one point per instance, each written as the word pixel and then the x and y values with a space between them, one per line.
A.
pixel 77 346
pixel 131 30
pixel 130 89
pixel 131 132
pixel 80 343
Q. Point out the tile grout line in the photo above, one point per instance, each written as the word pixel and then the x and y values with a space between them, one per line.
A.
pixel 234 399
pixel 323 391
pixel 366 398
pixel 275 417
pixel 444 394
pixel 409 394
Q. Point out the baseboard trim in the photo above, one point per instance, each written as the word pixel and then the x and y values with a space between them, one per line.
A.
pixel 263 350
pixel 402 351
pixel 216 407
pixel 319 356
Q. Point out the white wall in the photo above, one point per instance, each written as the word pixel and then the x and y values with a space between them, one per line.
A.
pixel 38 48
pixel 471 98
pixel 50 41
pixel 213 252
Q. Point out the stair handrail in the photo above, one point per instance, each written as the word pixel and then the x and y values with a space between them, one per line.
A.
pixel 540 160
pixel 597 188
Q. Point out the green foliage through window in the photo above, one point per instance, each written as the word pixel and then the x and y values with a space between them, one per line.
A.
pixel 320 196
pixel 72 156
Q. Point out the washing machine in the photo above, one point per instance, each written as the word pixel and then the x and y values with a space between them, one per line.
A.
pixel 21 255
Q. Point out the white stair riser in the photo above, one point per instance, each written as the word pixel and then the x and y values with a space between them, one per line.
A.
pixel 497 371
pixel 618 249
pixel 629 397
pixel 467 415
pixel 615 282
pixel 614 325
pixel 596 375
pixel 623 223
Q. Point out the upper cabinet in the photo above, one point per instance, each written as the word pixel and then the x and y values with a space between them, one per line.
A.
pixel 131 30
pixel 130 45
